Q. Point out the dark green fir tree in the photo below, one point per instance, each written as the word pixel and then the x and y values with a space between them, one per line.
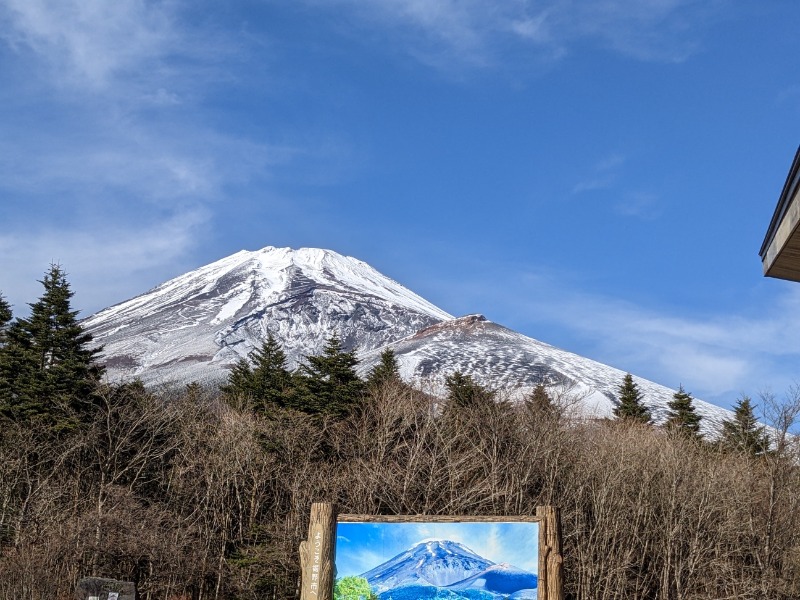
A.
pixel 47 362
pixel 262 377
pixel 630 404
pixel 5 369
pixel 682 416
pixel 539 402
pixel 743 433
pixel 385 372
pixel 328 383
pixel 240 379
pixel 5 318
pixel 465 392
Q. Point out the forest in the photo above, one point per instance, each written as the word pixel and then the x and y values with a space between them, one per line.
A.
pixel 204 492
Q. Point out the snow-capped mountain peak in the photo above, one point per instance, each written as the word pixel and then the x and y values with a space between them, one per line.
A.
pixel 437 562
pixel 195 326
pixel 451 567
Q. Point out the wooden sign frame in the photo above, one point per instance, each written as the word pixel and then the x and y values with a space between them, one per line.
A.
pixel 317 552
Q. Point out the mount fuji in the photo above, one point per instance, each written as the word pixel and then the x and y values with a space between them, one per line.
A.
pixel 436 563
pixel 447 569
pixel 514 364
pixel 196 326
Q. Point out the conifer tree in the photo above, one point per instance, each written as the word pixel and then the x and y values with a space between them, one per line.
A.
pixel 267 381
pixel 682 416
pixel 329 383
pixel 240 379
pixel 540 405
pixel 47 363
pixel 464 392
pixel 630 402
pixel 5 369
pixel 386 371
pixel 540 400
pixel 5 317
pixel 743 433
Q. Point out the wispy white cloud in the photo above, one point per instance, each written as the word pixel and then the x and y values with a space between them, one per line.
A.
pixel 434 32
pixel 469 32
pixel 642 205
pixel 608 174
pixel 92 42
pixel 106 263
pixel 718 355
pixel 649 30
pixel 111 166
pixel 602 175
pixel 124 160
pixel 122 208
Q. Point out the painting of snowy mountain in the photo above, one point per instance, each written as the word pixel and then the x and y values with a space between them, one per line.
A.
pixel 452 561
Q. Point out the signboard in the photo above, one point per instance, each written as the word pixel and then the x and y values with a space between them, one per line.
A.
pixel 409 557
pixel 99 588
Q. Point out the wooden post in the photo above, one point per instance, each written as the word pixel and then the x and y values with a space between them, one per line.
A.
pixel 317 554
pixel 551 573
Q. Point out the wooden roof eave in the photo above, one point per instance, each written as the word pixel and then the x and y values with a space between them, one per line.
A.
pixel 783 230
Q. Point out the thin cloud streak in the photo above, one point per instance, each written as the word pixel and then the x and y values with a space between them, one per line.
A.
pixel 716 357
pixel 602 175
pixel 449 34
pixel 92 42
pixel 606 174
pixel 136 161
pixel 642 205
pixel 128 172
pixel 104 265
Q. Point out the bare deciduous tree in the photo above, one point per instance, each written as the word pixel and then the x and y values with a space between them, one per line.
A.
pixel 192 497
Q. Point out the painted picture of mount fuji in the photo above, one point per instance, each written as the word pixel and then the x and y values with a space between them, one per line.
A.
pixel 449 561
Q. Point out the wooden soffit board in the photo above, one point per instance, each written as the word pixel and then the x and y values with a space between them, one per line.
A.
pixel 780 252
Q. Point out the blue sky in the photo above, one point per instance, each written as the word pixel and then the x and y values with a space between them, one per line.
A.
pixel 361 547
pixel 596 174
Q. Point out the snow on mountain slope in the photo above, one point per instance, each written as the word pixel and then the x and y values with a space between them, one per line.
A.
pixel 514 363
pixel 447 569
pixel 439 563
pixel 503 578
pixel 194 327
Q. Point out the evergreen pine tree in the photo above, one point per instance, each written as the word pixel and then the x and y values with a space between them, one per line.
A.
pixel 630 402
pixel 49 369
pixel 682 416
pixel 329 383
pixel 240 379
pixel 540 399
pixel 5 367
pixel 464 392
pixel 385 371
pixel 539 402
pixel 5 317
pixel 271 378
pixel 268 381
pixel 743 433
